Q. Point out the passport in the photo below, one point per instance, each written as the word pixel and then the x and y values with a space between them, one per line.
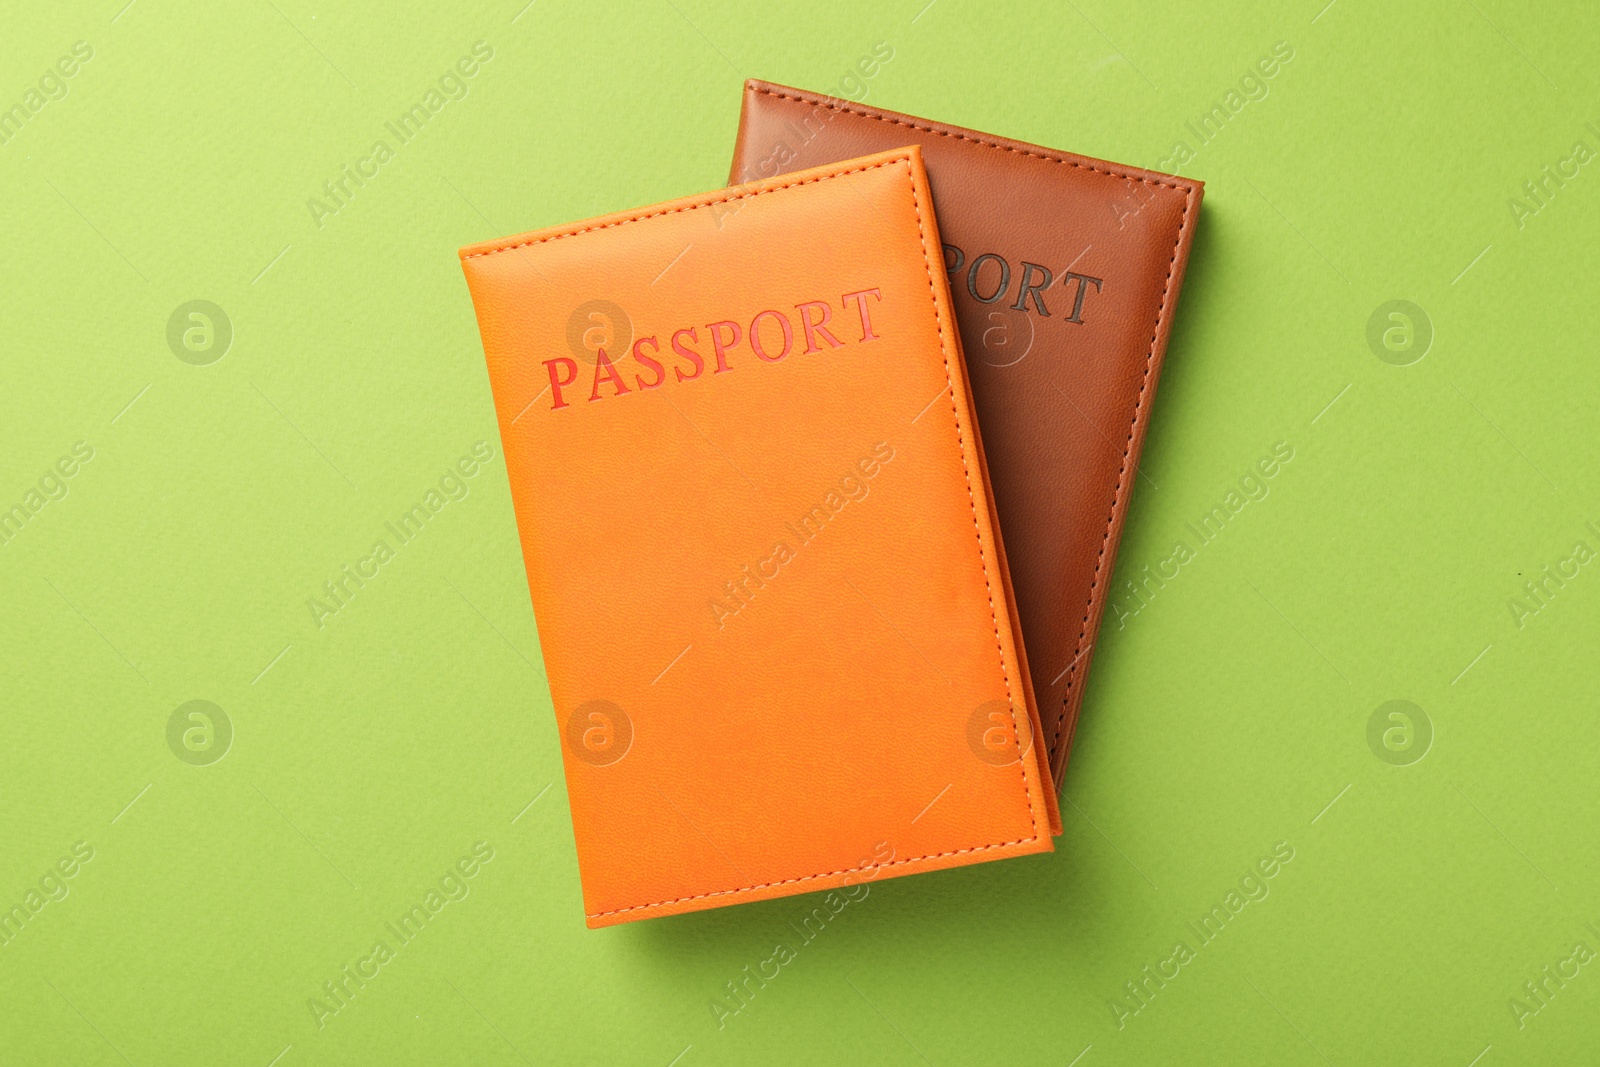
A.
pixel 772 599
pixel 1064 272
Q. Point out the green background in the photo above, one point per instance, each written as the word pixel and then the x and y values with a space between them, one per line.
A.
pixel 1226 715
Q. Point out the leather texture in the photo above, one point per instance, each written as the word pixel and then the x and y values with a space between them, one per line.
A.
pixel 1065 273
pixel 781 646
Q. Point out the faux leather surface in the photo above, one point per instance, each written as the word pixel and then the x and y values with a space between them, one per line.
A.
pixel 759 541
pixel 1065 272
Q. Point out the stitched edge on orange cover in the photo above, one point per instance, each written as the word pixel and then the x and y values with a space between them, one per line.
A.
pixel 905 156
pixel 1119 496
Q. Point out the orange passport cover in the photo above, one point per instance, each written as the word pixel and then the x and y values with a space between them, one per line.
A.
pixel 770 591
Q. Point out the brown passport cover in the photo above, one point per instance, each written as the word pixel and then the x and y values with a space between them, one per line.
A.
pixel 1065 272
